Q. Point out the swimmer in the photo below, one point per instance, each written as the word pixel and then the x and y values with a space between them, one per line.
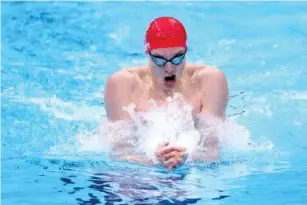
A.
pixel 166 73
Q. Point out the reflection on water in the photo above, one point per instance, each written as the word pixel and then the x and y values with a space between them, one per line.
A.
pixel 135 188
pixel 131 183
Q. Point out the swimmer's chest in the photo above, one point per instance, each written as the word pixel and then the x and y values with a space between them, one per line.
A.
pixel 143 100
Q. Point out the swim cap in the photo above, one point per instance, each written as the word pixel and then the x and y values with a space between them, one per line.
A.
pixel 164 32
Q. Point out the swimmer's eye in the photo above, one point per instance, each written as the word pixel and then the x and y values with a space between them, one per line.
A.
pixel 161 61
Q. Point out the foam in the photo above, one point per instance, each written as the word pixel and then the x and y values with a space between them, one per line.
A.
pixel 67 110
pixel 146 130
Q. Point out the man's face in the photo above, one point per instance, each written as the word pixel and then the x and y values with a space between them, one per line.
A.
pixel 167 73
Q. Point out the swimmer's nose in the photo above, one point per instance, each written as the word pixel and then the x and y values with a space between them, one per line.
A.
pixel 169 68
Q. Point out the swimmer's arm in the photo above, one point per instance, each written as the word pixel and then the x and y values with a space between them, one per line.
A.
pixel 214 94
pixel 117 94
pixel 214 99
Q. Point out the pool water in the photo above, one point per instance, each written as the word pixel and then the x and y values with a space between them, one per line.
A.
pixel 57 56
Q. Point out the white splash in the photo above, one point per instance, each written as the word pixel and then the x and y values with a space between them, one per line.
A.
pixel 172 122
pixel 68 110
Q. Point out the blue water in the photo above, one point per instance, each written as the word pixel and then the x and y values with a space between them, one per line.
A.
pixel 56 57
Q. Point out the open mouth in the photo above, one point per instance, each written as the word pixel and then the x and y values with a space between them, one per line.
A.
pixel 170 78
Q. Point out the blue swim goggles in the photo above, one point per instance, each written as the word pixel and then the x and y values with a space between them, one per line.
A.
pixel 161 61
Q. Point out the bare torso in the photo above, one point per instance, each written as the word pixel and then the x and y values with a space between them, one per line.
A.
pixel 143 90
pixel 205 88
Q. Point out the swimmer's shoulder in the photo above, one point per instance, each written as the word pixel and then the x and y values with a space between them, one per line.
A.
pixel 138 72
pixel 121 76
pixel 126 78
pixel 204 72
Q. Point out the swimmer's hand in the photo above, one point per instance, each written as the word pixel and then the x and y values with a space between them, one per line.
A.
pixel 170 156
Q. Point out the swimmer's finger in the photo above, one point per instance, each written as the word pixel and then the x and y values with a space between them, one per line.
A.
pixel 171 149
pixel 160 148
pixel 173 162
pixel 170 155
pixel 175 154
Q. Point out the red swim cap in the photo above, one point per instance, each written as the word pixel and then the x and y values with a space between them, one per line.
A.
pixel 165 32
